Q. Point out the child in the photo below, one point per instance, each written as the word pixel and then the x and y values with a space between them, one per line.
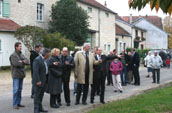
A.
pixel 116 67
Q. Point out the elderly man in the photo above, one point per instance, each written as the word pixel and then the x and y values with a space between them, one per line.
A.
pixel 40 71
pixel 156 62
pixel 84 61
pixel 67 64
pixel 18 62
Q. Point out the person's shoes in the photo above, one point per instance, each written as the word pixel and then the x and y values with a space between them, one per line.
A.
pixel 103 102
pixel 76 103
pixel 54 106
pixel 147 76
pixel 158 82
pixel 68 104
pixel 107 84
pixel 16 107
pixel 115 90
pixel 42 110
pixel 153 82
pixel 59 103
pixel 21 105
pixel 92 101
pixel 84 103
pixel 32 96
pixel 120 91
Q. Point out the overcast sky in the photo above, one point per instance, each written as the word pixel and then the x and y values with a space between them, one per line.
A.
pixel 121 7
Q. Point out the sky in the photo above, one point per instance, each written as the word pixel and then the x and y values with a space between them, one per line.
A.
pixel 121 7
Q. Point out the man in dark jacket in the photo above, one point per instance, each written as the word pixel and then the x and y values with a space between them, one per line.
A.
pixel 135 65
pixel 18 62
pixel 40 70
pixel 67 65
pixel 33 55
pixel 99 76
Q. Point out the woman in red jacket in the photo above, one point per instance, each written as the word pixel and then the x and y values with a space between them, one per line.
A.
pixel 116 67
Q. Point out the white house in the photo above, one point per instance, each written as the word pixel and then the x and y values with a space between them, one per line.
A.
pixel 7 40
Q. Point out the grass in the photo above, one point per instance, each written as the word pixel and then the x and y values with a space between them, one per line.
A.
pixel 155 101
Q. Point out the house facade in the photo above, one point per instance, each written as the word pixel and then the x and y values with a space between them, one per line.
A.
pixel 102 24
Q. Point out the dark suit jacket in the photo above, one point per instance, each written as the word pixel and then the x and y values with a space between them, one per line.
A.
pixel 39 71
pixel 136 60
pixel 33 55
pixel 67 68
pixel 102 68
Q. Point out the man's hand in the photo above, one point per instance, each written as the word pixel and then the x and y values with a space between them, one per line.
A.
pixel 56 63
pixel 38 84
pixel 126 64
pixel 100 61
pixel 67 63
pixel 20 61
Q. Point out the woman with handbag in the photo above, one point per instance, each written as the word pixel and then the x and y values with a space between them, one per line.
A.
pixel 54 78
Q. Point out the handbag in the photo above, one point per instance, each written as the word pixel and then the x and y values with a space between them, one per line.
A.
pixel 56 72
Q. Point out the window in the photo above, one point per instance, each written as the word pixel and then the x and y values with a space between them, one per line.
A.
pixel 120 47
pixel 109 48
pixel 124 46
pixel 0 7
pixel 104 47
pixel 141 34
pixel 89 10
pixel 19 1
pixel 0 45
pixel 40 12
pixel 136 33
pixel 107 14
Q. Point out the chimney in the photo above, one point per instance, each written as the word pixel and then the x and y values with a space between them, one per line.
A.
pixel 105 4
pixel 131 18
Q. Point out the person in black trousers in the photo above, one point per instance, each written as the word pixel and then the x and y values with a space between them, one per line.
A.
pixel 135 65
pixel 33 55
pixel 40 71
pixel 67 65
pixel 99 77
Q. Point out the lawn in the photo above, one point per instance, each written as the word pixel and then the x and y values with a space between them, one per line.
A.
pixel 155 101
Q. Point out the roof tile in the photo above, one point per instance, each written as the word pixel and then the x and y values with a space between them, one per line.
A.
pixel 8 25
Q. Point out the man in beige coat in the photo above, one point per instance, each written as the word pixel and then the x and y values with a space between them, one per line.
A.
pixel 84 61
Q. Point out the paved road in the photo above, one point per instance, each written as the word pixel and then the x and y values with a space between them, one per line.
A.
pixel 129 90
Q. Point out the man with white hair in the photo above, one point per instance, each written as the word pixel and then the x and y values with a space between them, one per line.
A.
pixel 147 59
pixel 84 61
pixel 156 63
pixel 67 65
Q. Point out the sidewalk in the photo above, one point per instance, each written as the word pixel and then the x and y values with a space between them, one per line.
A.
pixel 129 90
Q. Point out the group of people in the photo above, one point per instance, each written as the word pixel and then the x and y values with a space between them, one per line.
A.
pixel 155 62
pixel 51 70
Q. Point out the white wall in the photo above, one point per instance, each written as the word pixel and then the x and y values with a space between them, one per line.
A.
pixel 155 37
pixel 7 45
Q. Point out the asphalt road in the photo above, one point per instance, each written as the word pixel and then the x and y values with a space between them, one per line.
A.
pixel 129 90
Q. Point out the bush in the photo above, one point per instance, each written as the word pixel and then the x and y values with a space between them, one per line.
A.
pixel 56 40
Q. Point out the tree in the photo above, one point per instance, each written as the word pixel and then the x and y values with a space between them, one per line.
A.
pixel 165 5
pixel 70 20
pixel 30 36
pixel 168 29
pixel 56 40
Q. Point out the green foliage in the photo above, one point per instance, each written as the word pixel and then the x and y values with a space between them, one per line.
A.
pixel 30 35
pixel 56 40
pixel 70 20
pixel 156 101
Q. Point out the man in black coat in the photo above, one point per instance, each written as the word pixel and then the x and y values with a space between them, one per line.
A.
pixel 135 65
pixel 99 75
pixel 40 71
pixel 33 55
pixel 67 65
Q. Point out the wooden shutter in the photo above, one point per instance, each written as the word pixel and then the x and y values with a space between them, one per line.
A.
pixel 6 8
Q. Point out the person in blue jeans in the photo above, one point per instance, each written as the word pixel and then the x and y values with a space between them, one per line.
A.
pixel 124 59
pixel 18 62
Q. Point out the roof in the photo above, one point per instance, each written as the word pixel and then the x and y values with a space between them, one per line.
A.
pixel 96 4
pixel 121 31
pixel 155 20
pixel 8 25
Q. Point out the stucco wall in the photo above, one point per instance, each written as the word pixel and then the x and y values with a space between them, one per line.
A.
pixel 155 38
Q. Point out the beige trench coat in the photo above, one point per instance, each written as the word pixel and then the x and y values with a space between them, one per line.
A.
pixel 80 60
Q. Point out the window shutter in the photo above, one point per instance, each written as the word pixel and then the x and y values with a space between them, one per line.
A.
pixel 6 8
